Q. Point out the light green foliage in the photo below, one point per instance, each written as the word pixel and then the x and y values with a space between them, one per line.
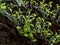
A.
pixel 47 33
pixel 55 39
pixel 40 24
pixel 2 6
pixel 47 8
pixel 27 28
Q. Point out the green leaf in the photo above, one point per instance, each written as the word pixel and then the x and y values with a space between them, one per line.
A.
pixel 25 34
